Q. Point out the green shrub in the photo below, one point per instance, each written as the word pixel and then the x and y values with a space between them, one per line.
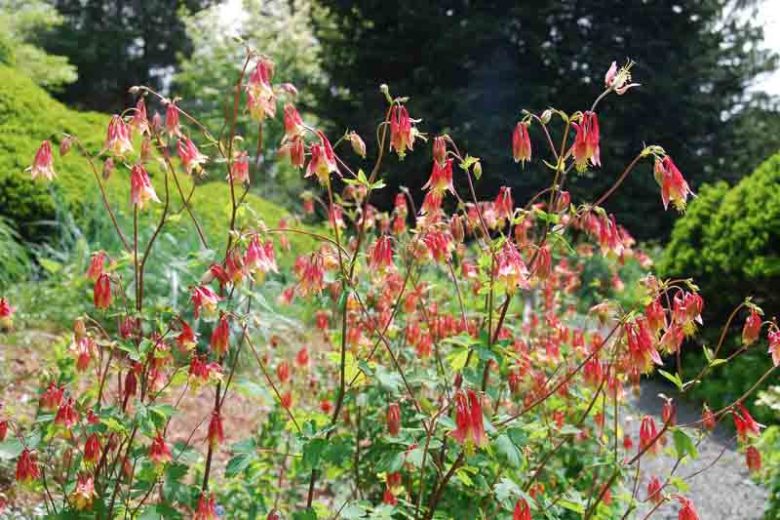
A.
pixel 27 117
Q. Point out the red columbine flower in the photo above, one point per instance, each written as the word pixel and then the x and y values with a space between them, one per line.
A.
pixel 186 339
pixel 504 206
pixel 3 429
pixel 469 425
pixel 260 258
pixel 293 124
pixel 648 436
pixel 753 459
pixel 311 275
pixel 389 498
pixel 642 353
pixel 141 189
pixel 402 133
pixel 84 493
pixel 521 143
pixel 27 470
pixel 239 170
pixel 619 80
pixel 51 397
pixel 511 272
pixel 286 400
pixel 656 316
pixel 752 328
pixel 381 255
pixel 131 383
pixel 687 511
pixel 655 490
pixel 43 163
pixel 586 142
pixel 283 372
pixel 669 413
pixel 321 320
pixel 84 349
pixel 216 433
pixel 201 372
pixel 92 449
pixel 203 297
pixel 744 423
pixel 159 452
pixel 708 418
pixel 96 264
pixel 439 149
pixel 207 508
pixel 139 121
pixel 220 338
pixel 393 419
pixel 172 119
pixel 774 346
pixel 323 160
pixel 440 181
pixel 522 510
pixel 302 357
pixel 190 156
pixel 261 99
pixel 673 185
pixel 6 314
pixel 101 294
pixel 118 137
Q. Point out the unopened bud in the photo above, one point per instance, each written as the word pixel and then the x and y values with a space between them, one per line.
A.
pixel 358 145
pixel 65 145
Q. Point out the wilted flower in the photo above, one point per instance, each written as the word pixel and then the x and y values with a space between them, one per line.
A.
pixel 753 459
pixel 655 490
pixel 752 328
pixel 393 419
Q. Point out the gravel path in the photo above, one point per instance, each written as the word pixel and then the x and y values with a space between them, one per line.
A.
pixel 724 491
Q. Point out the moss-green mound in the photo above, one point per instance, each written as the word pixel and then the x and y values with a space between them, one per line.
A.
pixel 28 115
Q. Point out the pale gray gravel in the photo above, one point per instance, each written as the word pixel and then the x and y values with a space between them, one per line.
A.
pixel 723 492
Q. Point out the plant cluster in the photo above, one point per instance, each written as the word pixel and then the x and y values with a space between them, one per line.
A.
pixel 442 367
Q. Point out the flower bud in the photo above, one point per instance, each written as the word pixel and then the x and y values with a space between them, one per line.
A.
pixel 358 145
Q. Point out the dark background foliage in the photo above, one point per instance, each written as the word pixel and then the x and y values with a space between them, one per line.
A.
pixel 470 67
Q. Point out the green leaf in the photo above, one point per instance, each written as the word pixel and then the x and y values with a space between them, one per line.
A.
pixel 457 359
pixel 312 452
pixel 237 465
pixel 683 444
pixel 10 449
pixel 673 378
pixel 507 450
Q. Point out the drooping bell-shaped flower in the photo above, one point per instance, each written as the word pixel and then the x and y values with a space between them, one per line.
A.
pixel 503 205
pixel 585 149
pixel 92 449
pixel 96 265
pixel 159 452
pixel 393 419
pixel 216 433
pixel 469 423
pixel 774 346
pixel 402 131
pixel 84 494
pixel 43 163
pixel 522 510
pixel 239 169
pixel 521 143
pixel 141 189
pixel 204 298
pixel 440 180
pixel 753 459
pixel 649 442
pixel 323 160
pixel 744 423
pixel 6 314
pixel 293 124
pixel 674 188
pixel 190 156
pixel 752 328
pixel 118 137
pixel 687 510
pixel 101 295
pixel 207 508
pixel 27 469
pixel 172 119
pixel 380 256
pixel 220 337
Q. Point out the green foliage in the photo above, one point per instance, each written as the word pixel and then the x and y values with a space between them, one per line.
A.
pixel 469 67
pixel 22 22
pixel 140 40
pixel 14 260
